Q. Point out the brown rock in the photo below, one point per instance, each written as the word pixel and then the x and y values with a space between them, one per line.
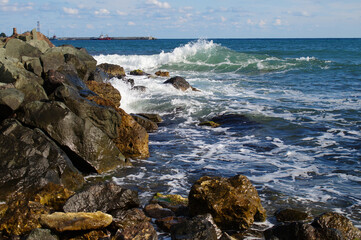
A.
pixel 149 125
pixel 233 202
pixel 166 223
pixel 112 70
pixel 174 202
pixel 106 91
pixel 60 221
pixel 53 196
pixel 290 215
pixel 162 74
pixel 138 72
pixel 210 124
pixel 152 116
pixel 157 211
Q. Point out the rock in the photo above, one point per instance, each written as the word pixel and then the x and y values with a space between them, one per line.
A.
pixel 134 225
pixel 98 75
pixel 105 197
pixel 106 91
pixel 162 74
pixel 157 211
pixel 233 202
pixel 128 81
pixel 11 98
pixel 152 116
pixel 149 125
pixel 80 66
pixel 291 215
pixel 293 230
pixel 102 234
pixel 42 234
pixel 33 65
pixel 199 227
pixel 34 35
pixel 30 160
pixel 179 83
pixel 16 48
pixel 91 150
pixel 52 61
pixel 53 196
pixel 139 88
pixel 53 80
pixel 331 221
pixel 112 70
pixel 104 118
pixel 176 203
pixel 43 46
pixel 76 221
pixel 210 124
pixel 166 223
pixel 138 72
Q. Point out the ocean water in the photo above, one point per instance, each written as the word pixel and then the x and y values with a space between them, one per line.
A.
pixel 297 132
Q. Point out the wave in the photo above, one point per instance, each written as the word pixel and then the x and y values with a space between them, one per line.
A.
pixel 207 56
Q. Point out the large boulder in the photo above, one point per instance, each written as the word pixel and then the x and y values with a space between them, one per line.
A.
pixel 106 197
pixel 112 70
pixel 29 160
pixel 179 83
pixel 91 150
pixel 32 64
pixel 233 202
pixel 52 60
pixel 16 48
pixel 11 97
pixel 61 222
pixel 147 124
pixel 106 91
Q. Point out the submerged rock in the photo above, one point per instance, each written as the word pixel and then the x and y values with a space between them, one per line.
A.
pixel 209 124
pixel 61 222
pixel 152 116
pixel 139 88
pixel 149 125
pixel 162 74
pixel 179 83
pixel 233 202
pixel 138 72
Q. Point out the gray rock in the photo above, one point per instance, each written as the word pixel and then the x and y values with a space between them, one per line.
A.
pixel 105 197
pixel 11 97
pixel 30 160
pixel 39 44
pixel 42 234
pixel 33 65
pixel 52 60
pixel 179 83
pixel 139 88
pixel 90 148
pixel 16 48
pixel 149 125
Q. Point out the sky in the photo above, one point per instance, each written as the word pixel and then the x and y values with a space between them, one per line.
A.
pixel 185 18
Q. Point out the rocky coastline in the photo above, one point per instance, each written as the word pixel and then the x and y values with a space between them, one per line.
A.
pixel 60 120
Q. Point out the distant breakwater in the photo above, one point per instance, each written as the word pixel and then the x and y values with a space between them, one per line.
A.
pixel 111 38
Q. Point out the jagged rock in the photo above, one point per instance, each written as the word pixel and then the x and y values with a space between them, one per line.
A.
pixel 16 48
pixel 52 60
pixel 42 45
pixel 34 35
pixel 134 225
pixel 162 74
pixel 105 197
pixel 157 211
pixel 112 70
pixel 199 227
pixel 138 72
pixel 139 88
pixel 33 65
pixel 149 125
pixel 105 118
pixel 152 116
pixel 61 222
pixel 174 202
pixel 90 148
pixel 291 215
pixel 42 234
pixel 233 202
pixel 11 98
pixel 80 66
pixel 210 124
pixel 52 196
pixel 166 223
pixel 30 160
pixel 293 230
pixel 106 91
pixel 179 83
pixel 98 75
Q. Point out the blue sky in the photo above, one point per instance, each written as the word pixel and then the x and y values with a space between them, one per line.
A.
pixel 186 18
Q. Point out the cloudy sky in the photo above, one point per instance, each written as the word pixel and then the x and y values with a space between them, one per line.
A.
pixel 186 18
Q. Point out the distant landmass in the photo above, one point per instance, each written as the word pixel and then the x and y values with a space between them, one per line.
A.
pixel 107 38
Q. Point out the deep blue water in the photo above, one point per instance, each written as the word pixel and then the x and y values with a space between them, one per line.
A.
pixel 301 143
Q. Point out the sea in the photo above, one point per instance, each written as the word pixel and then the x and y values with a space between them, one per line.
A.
pixel 292 110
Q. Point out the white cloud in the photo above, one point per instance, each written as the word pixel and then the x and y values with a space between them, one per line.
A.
pixel 122 13
pixel 102 11
pixel 278 22
pixel 70 10
pixel 262 23
pixel 89 26
pixel 4 1
pixel 158 3
pixel 131 24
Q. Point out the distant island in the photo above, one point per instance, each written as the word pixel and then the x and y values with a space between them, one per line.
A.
pixel 108 38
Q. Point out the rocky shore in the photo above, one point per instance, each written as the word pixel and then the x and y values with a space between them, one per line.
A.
pixel 60 121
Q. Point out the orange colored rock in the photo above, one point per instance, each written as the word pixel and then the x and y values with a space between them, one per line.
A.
pixel 106 91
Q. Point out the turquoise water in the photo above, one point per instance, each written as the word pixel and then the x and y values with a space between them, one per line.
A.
pixel 298 140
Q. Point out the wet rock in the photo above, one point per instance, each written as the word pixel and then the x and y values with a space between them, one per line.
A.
pixel 139 88
pixel 105 197
pixel 149 125
pixel 106 91
pixel 166 223
pixel 91 150
pixel 102 234
pixel 233 202
pixel 174 202
pixel 331 221
pixel 112 70
pixel 76 221
pixel 294 230
pixel 157 211
pixel 53 196
pixel 152 116
pixel 129 81
pixel 209 124
pixel 30 160
pixel 98 75
pixel 162 74
pixel 291 215
pixel 179 83
pixel 42 234
pixel 134 225
pixel 72 78
pixel 16 48
pixel 138 72
pixel 199 227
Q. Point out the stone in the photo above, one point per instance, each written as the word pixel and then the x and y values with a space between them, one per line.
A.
pixel 139 88
pixel 106 91
pixel 42 234
pixel 98 75
pixel 157 211
pixel 80 66
pixel 91 150
pixel 30 160
pixel 233 202
pixel 199 227
pixel 174 202
pixel 112 70
pixel 162 74
pixel 53 196
pixel 149 125
pixel 105 197
pixel 37 36
pixel 138 72
pixel 11 97
pixel 16 48
pixel 293 230
pixel 209 124
pixel 179 83
pixel 33 65
pixel 291 215
pixel 152 116
pixel 52 61
pixel 166 223
pixel 61 222
pixel 132 224
pixel 43 46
